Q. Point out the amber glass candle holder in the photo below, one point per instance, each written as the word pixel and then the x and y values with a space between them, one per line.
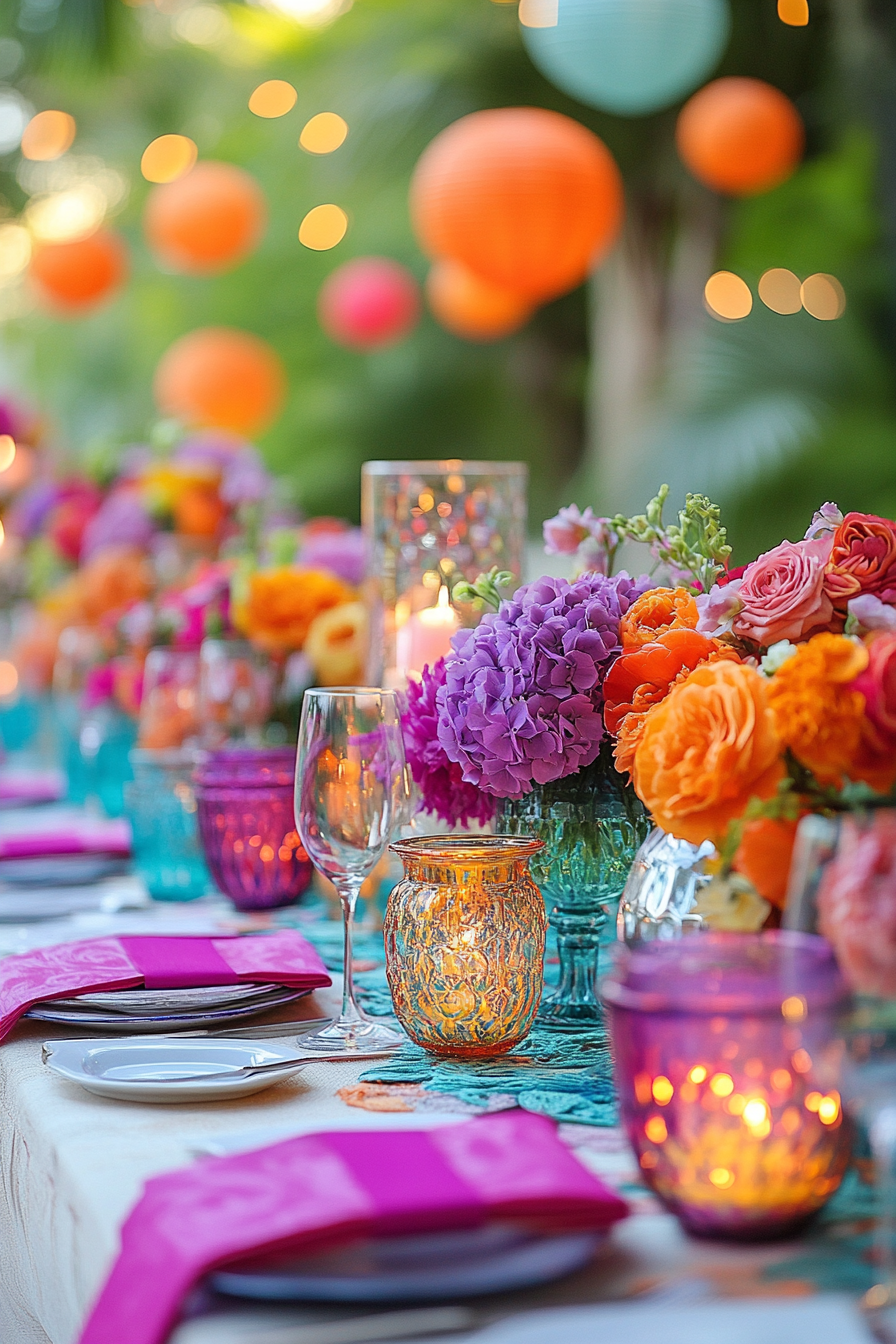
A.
pixel 465 932
pixel 727 1067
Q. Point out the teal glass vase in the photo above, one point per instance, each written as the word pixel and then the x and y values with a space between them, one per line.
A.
pixel 592 824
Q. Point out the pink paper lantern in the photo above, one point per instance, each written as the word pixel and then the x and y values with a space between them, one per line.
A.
pixel 369 303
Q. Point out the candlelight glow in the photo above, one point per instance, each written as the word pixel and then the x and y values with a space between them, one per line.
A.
pixel 721 1084
pixel 663 1091
pixel 794 1008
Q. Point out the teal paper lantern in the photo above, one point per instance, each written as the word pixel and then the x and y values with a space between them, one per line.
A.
pixel 630 57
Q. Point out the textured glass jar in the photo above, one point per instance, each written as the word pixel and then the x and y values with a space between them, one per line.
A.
pixel 465 932
pixel 247 825
pixel 160 804
pixel 591 824
pixel 427 524
pixel 727 1066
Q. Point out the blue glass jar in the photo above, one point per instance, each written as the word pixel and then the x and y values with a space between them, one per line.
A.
pixel 161 806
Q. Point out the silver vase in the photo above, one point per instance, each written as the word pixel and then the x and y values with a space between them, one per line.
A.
pixel 662 888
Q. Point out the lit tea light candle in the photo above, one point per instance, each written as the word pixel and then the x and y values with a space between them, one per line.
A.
pixel 425 636
pixel 728 1081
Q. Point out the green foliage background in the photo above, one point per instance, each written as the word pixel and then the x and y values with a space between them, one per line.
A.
pixel 400 70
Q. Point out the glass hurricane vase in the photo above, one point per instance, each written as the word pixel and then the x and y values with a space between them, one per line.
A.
pixel 592 824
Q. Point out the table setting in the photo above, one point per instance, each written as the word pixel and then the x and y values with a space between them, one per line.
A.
pixel 575 1037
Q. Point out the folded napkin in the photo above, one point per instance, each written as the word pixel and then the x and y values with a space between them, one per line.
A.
pixel 317 1191
pixel 82 836
pixel 31 786
pixel 154 961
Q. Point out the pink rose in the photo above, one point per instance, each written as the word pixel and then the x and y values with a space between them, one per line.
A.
pixel 857 903
pixel 876 759
pixel 782 594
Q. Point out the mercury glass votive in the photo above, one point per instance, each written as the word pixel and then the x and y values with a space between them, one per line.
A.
pixel 426 525
pixel 465 932
pixel 727 1067
pixel 248 829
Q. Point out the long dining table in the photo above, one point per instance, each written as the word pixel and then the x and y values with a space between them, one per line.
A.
pixel 72 1165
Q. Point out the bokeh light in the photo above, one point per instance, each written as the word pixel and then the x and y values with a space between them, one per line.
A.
pixel 7 451
pixel 48 135
pixel 539 13
pixel 168 157
pixel 15 250
pixel 779 289
pixel 323 227
pixel 273 98
pixel 823 297
pixel 794 12
pixel 64 216
pixel 323 133
pixel 15 114
pixel 309 13
pixel 9 678
pixel 727 297
pixel 203 25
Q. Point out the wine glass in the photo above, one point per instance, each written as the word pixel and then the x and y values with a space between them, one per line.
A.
pixel 349 787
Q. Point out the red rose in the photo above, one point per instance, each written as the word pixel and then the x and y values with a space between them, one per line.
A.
pixel 863 559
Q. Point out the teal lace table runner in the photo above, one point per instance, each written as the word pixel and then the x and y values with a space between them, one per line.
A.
pixel 567 1076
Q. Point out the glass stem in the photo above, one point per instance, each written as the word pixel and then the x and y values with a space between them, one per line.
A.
pixel 348 895
pixel 882 1132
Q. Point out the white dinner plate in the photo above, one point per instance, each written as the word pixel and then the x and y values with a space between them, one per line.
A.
pixel 444 1265
pixel 167 1071
pixel 152 1002
pixel 115 1023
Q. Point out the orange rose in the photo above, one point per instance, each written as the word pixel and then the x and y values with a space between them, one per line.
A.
pixel 707 750
pixel 282 603
pixel 642 678
pixel 764 855
pixel 656 612
pixel 818 715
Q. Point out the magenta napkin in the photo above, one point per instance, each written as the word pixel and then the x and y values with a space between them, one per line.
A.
pixel 324 1189
pixel 155 962
pixel 87 837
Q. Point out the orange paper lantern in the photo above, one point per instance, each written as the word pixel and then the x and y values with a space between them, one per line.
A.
pixel 470 307
pixel 740 136
pixel 207 221
pixel 221 378
pixel 74 277
pixel 527 199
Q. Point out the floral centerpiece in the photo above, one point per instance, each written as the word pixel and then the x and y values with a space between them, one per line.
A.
pixel 185 541
pixel 727 702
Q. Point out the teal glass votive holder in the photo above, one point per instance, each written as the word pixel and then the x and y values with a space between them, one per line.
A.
pixel 161 806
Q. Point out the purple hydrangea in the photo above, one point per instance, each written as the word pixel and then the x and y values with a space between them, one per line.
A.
pixel 521 703
pixel 440 780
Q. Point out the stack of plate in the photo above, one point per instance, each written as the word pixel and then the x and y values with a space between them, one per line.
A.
pixel 125 1011
pixel 433 1266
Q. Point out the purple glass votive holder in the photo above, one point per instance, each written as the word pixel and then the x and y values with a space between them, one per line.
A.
pixel 246 813
pixel 727 1066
